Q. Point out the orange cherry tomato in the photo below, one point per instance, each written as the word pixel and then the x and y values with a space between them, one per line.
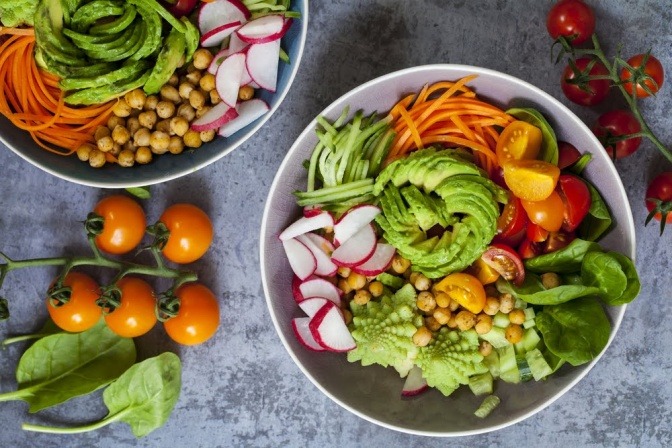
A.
pixel 531 180
pixel 136 314
pixel 198 316
pixel 519 140
pixel 548 213
pixel 465 289
pixel 483 272
pixel 80 312
pixel 190 233
pixel 123 224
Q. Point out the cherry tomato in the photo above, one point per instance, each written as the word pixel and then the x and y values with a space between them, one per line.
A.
pixel 506 261
pixel 80 312
pixel 529 249
pixel 616 123
pixel 593 91
pixel 180 8
pixel 660 188
pixel 483 272
pixel 557 241
pixel 190 233
pixel 547 213
pixel 572 19
pixel 136 314
pixel 531 180
pixel 649 73
pixel 511 223
pixel 198 317
pixel 576 199
pixel 536 233
pixel 123 224
pixel 519 140
pixel 465 289
pixel 568 155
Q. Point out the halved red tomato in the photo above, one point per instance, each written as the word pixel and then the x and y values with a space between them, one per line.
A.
pixel 529 249
pixel 558 240
pixel 568 155
pixel 511 223
pixel 506 261
pixel 536 233
pixel 576 199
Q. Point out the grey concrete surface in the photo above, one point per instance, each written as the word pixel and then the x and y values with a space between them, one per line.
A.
pixel 242 388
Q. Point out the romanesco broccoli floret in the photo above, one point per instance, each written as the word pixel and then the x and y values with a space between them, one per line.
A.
pixel 383 331
pixel 17 12
pixel 450 359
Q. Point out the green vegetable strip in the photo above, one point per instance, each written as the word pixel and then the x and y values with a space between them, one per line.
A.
pixel 314 159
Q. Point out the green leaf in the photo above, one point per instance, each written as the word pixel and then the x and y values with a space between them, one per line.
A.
pixel 139 192
pixel 533 292
pixel 598 220
pixel 549 143
pixel 62 366
pixel 565 260
pixel 604 272
pixel 581 164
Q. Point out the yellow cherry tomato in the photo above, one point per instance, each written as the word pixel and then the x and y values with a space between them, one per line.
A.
pixel 80 312
pixel 531 180
pixel 123 224
pixel 190 233
pixel 548 213
pixel 485 273
pixel 518 141
pixel 465 289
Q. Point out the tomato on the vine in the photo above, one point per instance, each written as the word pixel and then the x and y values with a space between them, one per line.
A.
pixel 190 233
pixel 465 289
pixel 576 199
pixel 506 261
pixel 584 91
pixel 648 71
pixel 659 199
pixel 123 224
pixel 568 155
pixel 511 223
pixel 547 213
pixel 80 312
pixel 135 314
pixel 616 123
pixel 197 317
pixel 572 19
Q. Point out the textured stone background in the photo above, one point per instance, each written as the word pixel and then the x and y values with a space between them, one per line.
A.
pixel 242 389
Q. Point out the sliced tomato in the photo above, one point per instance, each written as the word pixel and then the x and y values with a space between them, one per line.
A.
pixel 529 249
pixel 557 240
pixel 519 140
pixel 568 155
pixel 547 213
pixel 465 289
pixel 536 233
pixel 576 199
pixel 511 223
pixel 506 261
pixel 531 180
pixel 485 273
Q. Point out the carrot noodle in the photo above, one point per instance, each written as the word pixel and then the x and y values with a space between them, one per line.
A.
pixel 31 99
pixel 450 113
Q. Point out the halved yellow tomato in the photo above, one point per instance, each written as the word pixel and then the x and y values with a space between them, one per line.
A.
pixel 485 273
pixel 548 213
pixel 518 141
pixel 465 289
pixel 531 180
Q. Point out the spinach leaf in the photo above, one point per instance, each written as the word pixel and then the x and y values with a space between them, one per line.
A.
pixel 634 285
pixel 62 366
pixel 604 272
pixel 47 329
pixel 598 220
pixel 554 362
pixel 566 260
pixel 533 292
pixel 549 143
pixel 581 164
pixel 575 331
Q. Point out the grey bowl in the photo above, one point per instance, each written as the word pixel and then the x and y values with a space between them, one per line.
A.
pixel 373 392
pixel 166 167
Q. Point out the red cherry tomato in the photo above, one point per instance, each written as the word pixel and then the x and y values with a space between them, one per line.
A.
pixel 529 249
pixel 536 233
pixel 547 213
pixel 80 312
pixel 576 199
pixel 568 155
pixel 649 73
pixel 614 124
pixel 506 261
pixel 557 240
pixel 660 189
pixel 511 223
pixel 180 8
pixel 572 19
pixel 594 91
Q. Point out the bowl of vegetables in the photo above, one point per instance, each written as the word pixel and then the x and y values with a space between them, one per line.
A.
pixel 119 94
pixel 446 250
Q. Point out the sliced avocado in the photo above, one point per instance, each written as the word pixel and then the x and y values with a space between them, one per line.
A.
pixel 152 42
pixel 117 25
pixel 163 12
pixel 119 48
pixel 88 14
pixel 192 37
pixel 168 60
pixel 48 36
pixel 95 45
pixel 102 94
pixel 130 71
pixel 45 61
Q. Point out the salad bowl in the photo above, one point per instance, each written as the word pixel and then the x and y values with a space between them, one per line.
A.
pixel 167 167
pixel 373 392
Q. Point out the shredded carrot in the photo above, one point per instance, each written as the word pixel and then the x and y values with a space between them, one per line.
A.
pixel 449 113
pixel 31 99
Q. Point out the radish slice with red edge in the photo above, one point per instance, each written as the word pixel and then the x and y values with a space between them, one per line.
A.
pixel 305 225
pixel 379 261
pixel 296 288
pixel 216 117
pixel 220 12
pixel 300 258
pixel 227 79
pixel 353 221
pixel 303 334
pixel 218 34
pixel 414 384
pixel 321 242
pixel 264 29
pixel 329 330
pixel 248 111
pixel 312 305
pixel 324 266
pixel 319 287
pixel 262 63
pixel 311 210
pixel 357 249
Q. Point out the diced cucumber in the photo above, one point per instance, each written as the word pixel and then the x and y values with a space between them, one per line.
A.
pixel 501 320
pixel 489 404
pixel 537 364
pixel 520 304
pixel 391 281
pixel 496 336
pixel 481 384
pixel 507 358
pixel 523 368
pixel 492 362
pixel 530 339
pixel 529 313
pixel 510 376
pixel 529 323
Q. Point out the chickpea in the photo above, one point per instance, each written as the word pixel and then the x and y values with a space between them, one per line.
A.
pixel 422 283
pixel 96 158
pixel 442 299
pixel 116 149
pixel 192 139
pixel 185 89
pixel 491 306
pixel 245 93
pixel 165 109
pixel 517 317
pixel 344 286
pixel 550 280
pixel 101 131
pixel 208 136
pixel 465 320
pixel 442 315
pixel 207 82
pixel 151 101
pixel 432 323
pixel 126 158
pixel 191 67
pixel 400 264
pixel 186 111
pixel 343 271
pixel 513 333
pixel 202 59
pixel 173 80
pixel 376 288
pixel 115 121
pixel 121 109
pixel 136 98
pixel 347 316
pixel 422 336
pixel 84 151
pixel 121 135
pixel 105 144
pixel 170 93
pixel 129 146
pixel 506 303
pixel 356 281
pixel 483 323
pixel 425 302
pixel 454 305
pixel 143 155
pixel 485 348
pixel 452 322
pixel 147 119
pixel 362 297
pixel 196 99
pixel 214 97
pixel 163 126
pixel 176 145
pixel 179 126
pixel 141 137
pixel 194 77
pixel 133 124
pixel 159 142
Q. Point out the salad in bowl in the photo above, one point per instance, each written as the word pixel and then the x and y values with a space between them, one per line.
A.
pixel 446 250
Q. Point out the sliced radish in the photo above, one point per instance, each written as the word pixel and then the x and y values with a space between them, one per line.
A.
pixel 318 287
pixel 312 306
pixel 414 384
pixel 216 117
pixel 227 79
pixel 353 220
pixel 241 6
pixel 217 59
pixel 305 225
pixel 217 13
pixel 325 266
pixel 296 290
pixel 303 334
pixel 329 330
pixel 321 242
pixel 311 210
pixel 245 78
pixel 262 63
pixel 235 46
pixel 248 111
pixel 218 34
pixel 300 258
pixel 379 261
pixel 262 30
pixel 357 249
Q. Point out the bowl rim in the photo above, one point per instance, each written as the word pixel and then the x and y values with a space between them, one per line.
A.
pixel 185 171
pixel 629 228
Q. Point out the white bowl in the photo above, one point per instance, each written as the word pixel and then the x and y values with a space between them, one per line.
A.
pixel 373 392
